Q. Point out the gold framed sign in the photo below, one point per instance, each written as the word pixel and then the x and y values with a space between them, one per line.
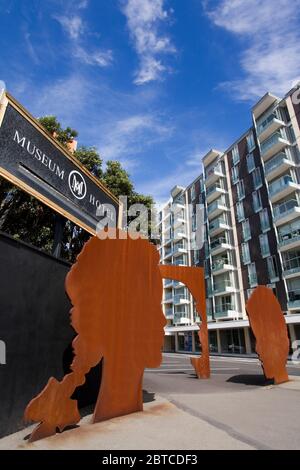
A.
pixel 33 160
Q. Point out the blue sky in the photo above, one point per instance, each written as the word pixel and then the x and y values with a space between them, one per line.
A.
pixel 152 83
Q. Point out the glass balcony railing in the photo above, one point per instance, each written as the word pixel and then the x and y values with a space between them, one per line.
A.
pixel 168 297
pixel 216 224
pixel 169 313
pixel 280 184
pixel 215 205
pixel 219 264
pixel 213 188
pixel 179 261
pixel 289 237
pixel 222 310
pixel 275 162
pixel 216 243
pixel 213 170
pixel 266 123
pixel 294 298
pixel 222 286
pixel 285 208
pixel 275 139
pixel 179 297
pixel 179 246
pixel 291 266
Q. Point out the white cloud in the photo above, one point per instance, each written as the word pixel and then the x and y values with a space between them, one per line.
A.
pixel 76 29
pixel 73 25
pixel 144 19
pixel 125 139
pixel 100 58
pixel 269 33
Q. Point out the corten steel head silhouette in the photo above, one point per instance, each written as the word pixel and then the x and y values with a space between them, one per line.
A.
pixel 270 330
pixel 116 291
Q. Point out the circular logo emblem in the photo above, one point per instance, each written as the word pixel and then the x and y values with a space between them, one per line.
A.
pixel 77 184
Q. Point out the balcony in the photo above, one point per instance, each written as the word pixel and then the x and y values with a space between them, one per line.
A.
pixel 213 192
pixel 179 248
pixel 277 165
pixel 179 234
pixel 179 221
pixel 221 266
pixel 290 240
pixel 225 311
pixel 178 320
pixel 180 299
pixel 177 284
pixel 168 253
pixel 268 127
pixel 168 283
pixel 218 226
pixel 282 188
pixel 286 212
pixel 180 262
pixel 169 313
pixel 213 174
pixel 223 288
pixel 274 144
pixel 294 299
pixel 216 208
pixel 291 268
pixel 219 246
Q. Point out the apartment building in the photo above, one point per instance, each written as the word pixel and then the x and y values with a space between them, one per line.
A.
pixel 251 195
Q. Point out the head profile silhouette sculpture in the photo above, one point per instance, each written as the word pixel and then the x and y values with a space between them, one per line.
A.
pixel 270 330
pixel 115 288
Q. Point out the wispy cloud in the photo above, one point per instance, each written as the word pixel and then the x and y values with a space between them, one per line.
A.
pixel 73 25
pixel 270 37
pixel 145 19
pixel 76 29
pixel 127 138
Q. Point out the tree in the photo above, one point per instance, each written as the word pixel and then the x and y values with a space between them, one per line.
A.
pixel 90 158
pixel 64 136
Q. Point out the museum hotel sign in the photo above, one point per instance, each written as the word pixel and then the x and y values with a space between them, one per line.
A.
pixel 34 161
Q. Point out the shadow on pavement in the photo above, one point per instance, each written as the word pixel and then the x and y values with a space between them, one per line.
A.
pixel 250 379
pixel 148 396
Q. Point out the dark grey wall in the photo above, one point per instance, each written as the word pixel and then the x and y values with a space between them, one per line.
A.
pixel 34 323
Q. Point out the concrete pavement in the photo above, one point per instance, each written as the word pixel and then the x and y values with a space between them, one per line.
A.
pixel 235 409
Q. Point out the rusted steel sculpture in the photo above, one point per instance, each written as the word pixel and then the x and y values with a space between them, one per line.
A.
pixel 115 288
pixel 270 330
pixel 193 278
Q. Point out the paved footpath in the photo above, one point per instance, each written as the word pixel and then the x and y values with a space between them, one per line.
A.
pixel 235 409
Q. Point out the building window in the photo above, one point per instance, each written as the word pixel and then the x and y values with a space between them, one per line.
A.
pixel 235 174
pixel 264 220
pixel 196 256
pixel 194 222
pixel 250 162
pixel 246 230
pixel 252 275
pixel 240 211
pixel 272 269
pixel 235 155
pixel 249 293
pixel 256 175
pixel 193 192
pixel 246 253
pixel 250 141
pixel 257 204
pixel 240 190
pixel 264 245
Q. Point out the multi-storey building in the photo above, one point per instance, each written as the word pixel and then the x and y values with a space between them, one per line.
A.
pixel 251 195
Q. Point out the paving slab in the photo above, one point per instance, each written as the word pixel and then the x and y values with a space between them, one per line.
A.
pixel 160 426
